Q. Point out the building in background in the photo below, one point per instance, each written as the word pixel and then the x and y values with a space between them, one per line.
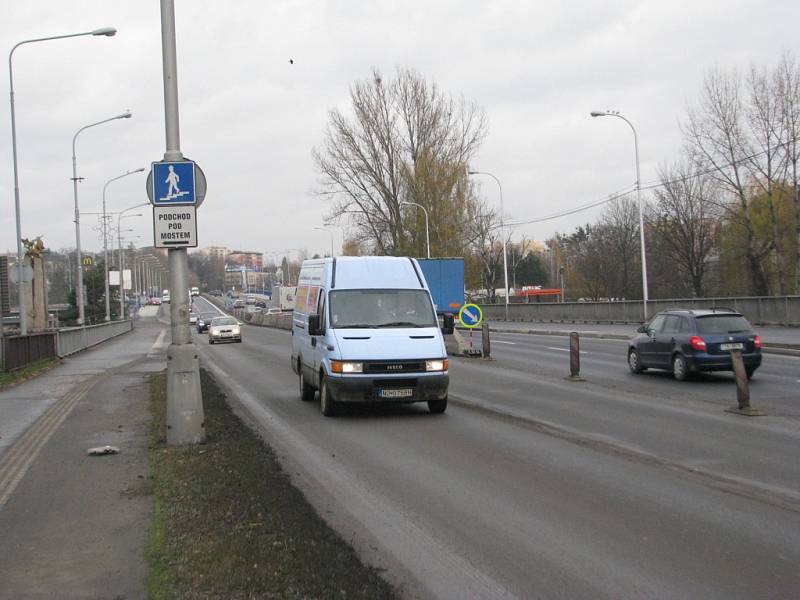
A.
pixel 241 258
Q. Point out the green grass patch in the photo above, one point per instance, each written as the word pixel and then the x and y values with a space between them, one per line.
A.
pixel 228 523
pixel 28 372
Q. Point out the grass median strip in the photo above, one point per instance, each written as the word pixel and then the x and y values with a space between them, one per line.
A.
pixel 229 524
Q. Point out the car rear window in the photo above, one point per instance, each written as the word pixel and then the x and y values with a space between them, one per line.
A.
pixel 723 324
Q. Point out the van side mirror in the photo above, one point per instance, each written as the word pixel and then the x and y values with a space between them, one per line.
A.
pixel 642 329
pixel 313 325
pixel 449 324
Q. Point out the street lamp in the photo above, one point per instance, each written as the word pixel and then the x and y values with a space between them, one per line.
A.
pixel 105 237
pixel 103 31
pixel 329 231
pixel 121 216
pixel 502 231
pixel 614 113
pixel 125 115
pixel 427 233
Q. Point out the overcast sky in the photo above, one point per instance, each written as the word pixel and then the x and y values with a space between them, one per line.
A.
pixel 250 118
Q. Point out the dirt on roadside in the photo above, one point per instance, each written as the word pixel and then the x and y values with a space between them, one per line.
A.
pixel 229 524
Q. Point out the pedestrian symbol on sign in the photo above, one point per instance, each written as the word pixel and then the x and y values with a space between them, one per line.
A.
pixel 174 183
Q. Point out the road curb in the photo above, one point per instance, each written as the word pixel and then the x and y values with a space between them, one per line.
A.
pixel 784 349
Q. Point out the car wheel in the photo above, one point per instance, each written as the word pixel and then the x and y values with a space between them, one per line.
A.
pixel 210 341
pixel 306 391
pixel 327 404
pixel 634 363
pixel 749 373
pixel 680 370
pixel 437 407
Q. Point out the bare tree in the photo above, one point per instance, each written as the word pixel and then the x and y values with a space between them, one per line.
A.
pixel 715 133
pixel 787 88
pixel 405 141
pixel 685 220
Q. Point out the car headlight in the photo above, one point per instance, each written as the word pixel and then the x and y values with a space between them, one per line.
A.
pixel 214 332
pixel 235 330
pixel 342 366
pixel 440 364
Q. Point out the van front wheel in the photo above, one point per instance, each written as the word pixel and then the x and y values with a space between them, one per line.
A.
pixel 306 391
pixel 437 407
pixel 327 404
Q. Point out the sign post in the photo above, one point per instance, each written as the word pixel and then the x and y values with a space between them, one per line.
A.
pixel 173 187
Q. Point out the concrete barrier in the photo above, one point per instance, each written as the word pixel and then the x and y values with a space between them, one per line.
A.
pixel 769 310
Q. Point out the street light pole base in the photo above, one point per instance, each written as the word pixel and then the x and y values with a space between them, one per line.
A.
pixel 746 411
pixel 185 418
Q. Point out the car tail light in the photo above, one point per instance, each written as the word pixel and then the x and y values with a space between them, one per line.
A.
pixel 757 342
pixel 698 343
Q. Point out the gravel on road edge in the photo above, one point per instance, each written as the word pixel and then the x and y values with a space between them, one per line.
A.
pixel 229 524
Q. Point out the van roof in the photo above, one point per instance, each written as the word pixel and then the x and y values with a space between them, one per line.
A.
pixel 375 272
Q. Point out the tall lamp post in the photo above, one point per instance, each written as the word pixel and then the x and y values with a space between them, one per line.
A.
pixel 121 216
pixel 125 115
pixel 329 231
pixel 427 231
pixel 105 239
pixel 502 231
pixel 103 31
pixel 614 113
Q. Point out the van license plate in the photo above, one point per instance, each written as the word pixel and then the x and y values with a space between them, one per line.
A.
pixel 401 393
pixel 735 346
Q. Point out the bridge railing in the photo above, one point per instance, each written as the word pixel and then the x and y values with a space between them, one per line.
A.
pixel 75 339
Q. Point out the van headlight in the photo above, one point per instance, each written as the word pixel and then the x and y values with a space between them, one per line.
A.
pixel 343 366
pixel 439 364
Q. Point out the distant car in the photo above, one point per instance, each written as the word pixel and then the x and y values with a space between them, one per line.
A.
pixel 154 301
pixel 261 304
pixel 224 329
pixel 238 304
pixel 690 341
pixel 273 311
pixel 204 320
pixel 194 291
pixel 192 318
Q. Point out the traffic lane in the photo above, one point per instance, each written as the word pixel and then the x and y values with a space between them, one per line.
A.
pixel 673 429
pixel 470 499
pixel 201 305
pixel 773 388
pixel 753 457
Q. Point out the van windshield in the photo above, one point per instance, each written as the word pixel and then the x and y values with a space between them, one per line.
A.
pixel 380 308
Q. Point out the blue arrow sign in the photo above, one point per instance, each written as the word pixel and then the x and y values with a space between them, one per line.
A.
pixel 470 315
pixel 174 183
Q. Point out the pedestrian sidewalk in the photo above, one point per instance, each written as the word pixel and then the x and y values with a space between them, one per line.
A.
pixel 74 525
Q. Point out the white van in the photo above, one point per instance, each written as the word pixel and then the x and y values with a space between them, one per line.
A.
pixel 165 296
pixel 364 330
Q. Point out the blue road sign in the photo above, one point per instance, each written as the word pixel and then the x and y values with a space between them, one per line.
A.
pixel 174 183
pixel 470 315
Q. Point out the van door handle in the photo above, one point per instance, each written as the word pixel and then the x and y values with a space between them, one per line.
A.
pixel 313 341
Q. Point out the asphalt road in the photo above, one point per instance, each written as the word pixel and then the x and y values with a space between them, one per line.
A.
pixel 532 486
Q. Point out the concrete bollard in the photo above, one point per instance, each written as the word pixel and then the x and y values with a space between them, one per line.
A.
pixel 485 342
pixel 574 357
pixel 742 388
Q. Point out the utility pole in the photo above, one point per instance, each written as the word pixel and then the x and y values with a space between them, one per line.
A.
pixel 185 419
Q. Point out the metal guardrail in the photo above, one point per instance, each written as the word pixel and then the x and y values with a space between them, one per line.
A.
pixel 21 350
pixel 75 339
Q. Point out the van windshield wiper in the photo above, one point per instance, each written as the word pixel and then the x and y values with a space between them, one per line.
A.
pixel 356 326
pixel 400 324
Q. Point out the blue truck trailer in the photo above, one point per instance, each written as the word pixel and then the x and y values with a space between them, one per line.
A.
pixel 445 278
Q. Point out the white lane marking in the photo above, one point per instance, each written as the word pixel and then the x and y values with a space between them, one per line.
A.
pixel 502 342
pixel 563 349
pixel 159 344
